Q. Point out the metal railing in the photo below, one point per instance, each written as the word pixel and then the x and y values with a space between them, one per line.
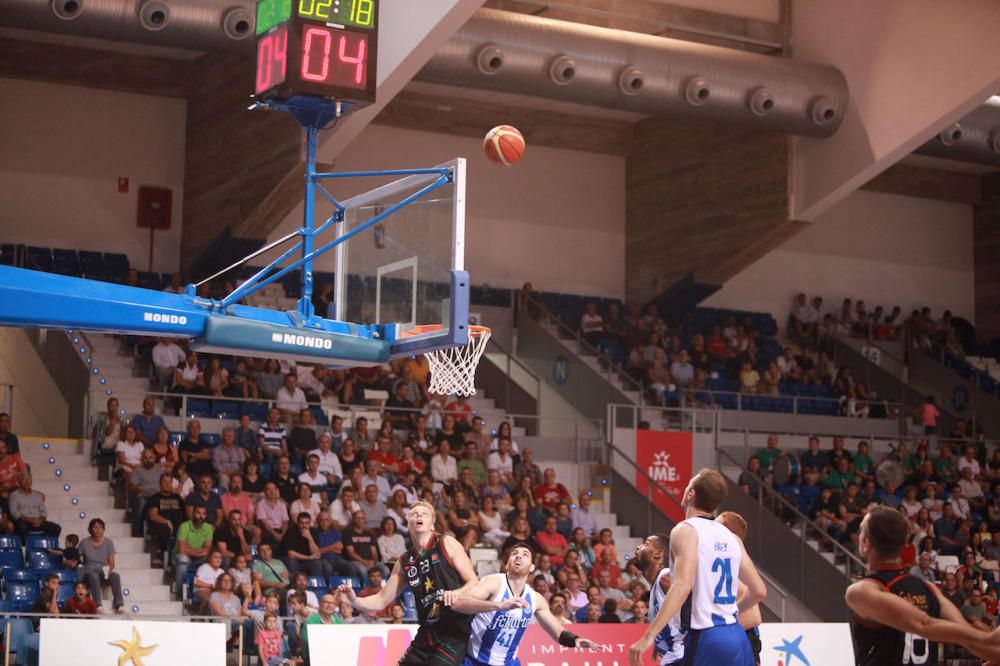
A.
pixel 510 365
pixel 609 368
pixel 805 526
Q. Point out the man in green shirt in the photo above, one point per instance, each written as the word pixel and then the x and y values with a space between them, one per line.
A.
pixel 194 541
pixel 472 461
pixel 326 615
pixel 270 571
pixel 768 455
pixel 839 478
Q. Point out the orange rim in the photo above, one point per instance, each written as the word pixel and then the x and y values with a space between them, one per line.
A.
pixel 479 331
pixel 423 329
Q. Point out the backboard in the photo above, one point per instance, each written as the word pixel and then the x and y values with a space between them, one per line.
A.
pixel 407 271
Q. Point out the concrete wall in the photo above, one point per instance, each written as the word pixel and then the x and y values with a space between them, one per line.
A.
pixel 884 248
pixel 39 409
pixel 62 151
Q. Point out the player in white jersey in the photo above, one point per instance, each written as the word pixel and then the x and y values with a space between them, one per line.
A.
pixel 504 605
pixel 668 647
pixel 706 560
pixel 750 619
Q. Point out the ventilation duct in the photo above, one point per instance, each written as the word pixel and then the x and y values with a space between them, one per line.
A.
pixel 641 73
pixel 974 138
pixel 191 24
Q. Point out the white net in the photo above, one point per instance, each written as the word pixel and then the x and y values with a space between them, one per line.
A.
pixel 453 370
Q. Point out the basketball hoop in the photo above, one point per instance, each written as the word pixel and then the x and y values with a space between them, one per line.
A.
pixel 453 370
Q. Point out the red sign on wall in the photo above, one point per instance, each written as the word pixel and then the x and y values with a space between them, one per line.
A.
pixel 667 458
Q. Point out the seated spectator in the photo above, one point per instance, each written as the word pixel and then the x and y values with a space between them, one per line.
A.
pixel 285 481
pixel 815 463
pixel 360 545
pixel 344 507
pixel 399 410
pixel 300 585
pixel 147 423
pixel 384 463
pixel 301 548
pixel 70 553
pixel 47 600
pixel 231 539
pixel 841 476
pixel 108 428
pixel 271 439
pixel 502 460
pixel 864 466
pixel 497 491
pixel 243 578
pixel 946 531
pixel 164 452
pixel 373 587
pixel 749 378
pixel 194 542
pixel 329 463
pixel 312 380
pixel 331 548
pixel 374 478
pixel 268 571
pixel 223 602
pixel 463 521
pixel 270 379
pixel 167 356
pixel 128 452
pixel 391 545
pixel 564 521
pixel 828 513
pixel 472 461
pixel 305 502
pixel 803 319
pixel 444 468
pixel 272 516
pixel 328 605
pixel 205 498
pixel 606 564
pixel 196 454
pixel 205 578
pixel 551 542
pixel 27 508
pixel 461 412
pixel 243 383
pixel 681 370
pixel 246 437
pixel 97 566
pixel 491 523
pixel 527 465
pixel 924 569
pixel 974 611
pixel 143 483
pixel 8 438
pixel 165 513
pixel 227 458
pixel 80 603
pixel 188 377
pixel 302 439
pixel 480 436
pixel 290 399
pixel 606 541
pixel 551 493
pixel 270 642
pixel 592 325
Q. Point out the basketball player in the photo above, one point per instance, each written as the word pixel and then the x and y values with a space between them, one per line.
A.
pixel 668 647
pixel 897 618
pixel 434 565
pixel 706 560
pixel 751 619
pixel 504 605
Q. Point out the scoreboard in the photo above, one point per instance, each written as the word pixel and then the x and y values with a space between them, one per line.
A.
pixel 321 48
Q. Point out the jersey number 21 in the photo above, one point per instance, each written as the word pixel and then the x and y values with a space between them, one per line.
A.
pixel 724 588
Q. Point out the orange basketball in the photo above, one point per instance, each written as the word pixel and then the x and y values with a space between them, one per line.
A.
pixel 504 145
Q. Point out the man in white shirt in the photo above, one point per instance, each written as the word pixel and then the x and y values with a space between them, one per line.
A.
pixel 959 503
pixel 166 357
pixel 329 463
pixel 310 378
pixel 444 468
pixel 342 508
pixel 592 325
pixel 290 400
pixel 373 478
pixel 582 517
pixel 968 459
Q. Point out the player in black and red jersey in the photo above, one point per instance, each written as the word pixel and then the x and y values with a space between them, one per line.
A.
pixel 435 564
pixel 897 618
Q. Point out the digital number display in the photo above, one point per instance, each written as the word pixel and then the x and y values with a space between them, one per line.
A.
pixel 304 57
pixel 272 12
pixel 272 59
pixel 354 13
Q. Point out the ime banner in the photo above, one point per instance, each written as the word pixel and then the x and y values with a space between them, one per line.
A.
pixel 384 644
pixel 667 458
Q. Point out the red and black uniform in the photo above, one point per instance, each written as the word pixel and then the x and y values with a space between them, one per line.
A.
pixel 443 633
pixel 878 645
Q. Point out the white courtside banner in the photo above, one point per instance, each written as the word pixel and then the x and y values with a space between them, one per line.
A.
pixel 104 642
pixel 826 644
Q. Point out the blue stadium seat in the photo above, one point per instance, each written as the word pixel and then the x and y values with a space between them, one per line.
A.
pixel 337 581
pixel 316 582
pixel 11 559
pixel 65 262
pixel 22 591
pixel 91 264
pixel 9 541
pixel 115 267
pixel 8 254
pixel 39 259
pixel 210 438
pixel 42 559
pixel 65 592
pixel 149 280
pixel 198 408
pixel 224 409
pixel 65 575
pixel 41 542
pixel 19 574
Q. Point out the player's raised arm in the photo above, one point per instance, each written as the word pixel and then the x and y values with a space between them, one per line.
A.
pixel 554 628
pixel 750 618
pixel 756 590
pixel 871 603
pixel 684 549
pixel 479 597
pixel 460 560
pixel 380 601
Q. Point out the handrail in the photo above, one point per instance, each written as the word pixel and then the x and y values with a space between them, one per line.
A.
pixel 740 396
pixel 805 520
pixel 774 585
pixel 511 356
pixel 651 484
pixel 611 365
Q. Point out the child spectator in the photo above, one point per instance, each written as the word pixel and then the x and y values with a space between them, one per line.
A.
pixel 246 587
pixel 70 554
pixel 270 643
pixel 80 603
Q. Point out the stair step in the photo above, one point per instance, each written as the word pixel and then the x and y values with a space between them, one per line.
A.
pixel 164 608
pixel 138 593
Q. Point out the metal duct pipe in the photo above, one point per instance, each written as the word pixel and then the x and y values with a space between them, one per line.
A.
pixel 193 24
pixel 572 62
pixel 974 138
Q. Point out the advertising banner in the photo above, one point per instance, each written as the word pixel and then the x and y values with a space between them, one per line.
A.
pixel 826 644
pixel 667 458
pixel 146 643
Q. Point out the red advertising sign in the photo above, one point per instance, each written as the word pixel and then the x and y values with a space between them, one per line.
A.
pixel 666 457
pixel 613 642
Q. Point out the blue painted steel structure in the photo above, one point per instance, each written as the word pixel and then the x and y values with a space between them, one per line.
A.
pixel 44 300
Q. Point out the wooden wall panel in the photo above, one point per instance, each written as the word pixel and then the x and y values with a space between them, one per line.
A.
pixel 701 197
pixel 924 183
pixel 233 158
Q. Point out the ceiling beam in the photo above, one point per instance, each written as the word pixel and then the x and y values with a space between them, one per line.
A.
pixel 472 118
pixel 94 68
pixel 659 18
pixel 938 184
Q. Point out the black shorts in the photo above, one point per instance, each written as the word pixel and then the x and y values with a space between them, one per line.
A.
pixel 436 646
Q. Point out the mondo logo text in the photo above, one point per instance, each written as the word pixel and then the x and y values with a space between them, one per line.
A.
pixel 164 318
pixel 293 340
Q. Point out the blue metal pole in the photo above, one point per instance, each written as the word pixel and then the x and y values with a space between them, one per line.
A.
pixel 309 205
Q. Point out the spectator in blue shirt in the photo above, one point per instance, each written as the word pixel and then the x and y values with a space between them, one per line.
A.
pixel 246 437
pixel 147 423
pixel 814 461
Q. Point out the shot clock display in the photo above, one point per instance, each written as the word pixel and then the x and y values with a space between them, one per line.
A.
pixel 324 48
